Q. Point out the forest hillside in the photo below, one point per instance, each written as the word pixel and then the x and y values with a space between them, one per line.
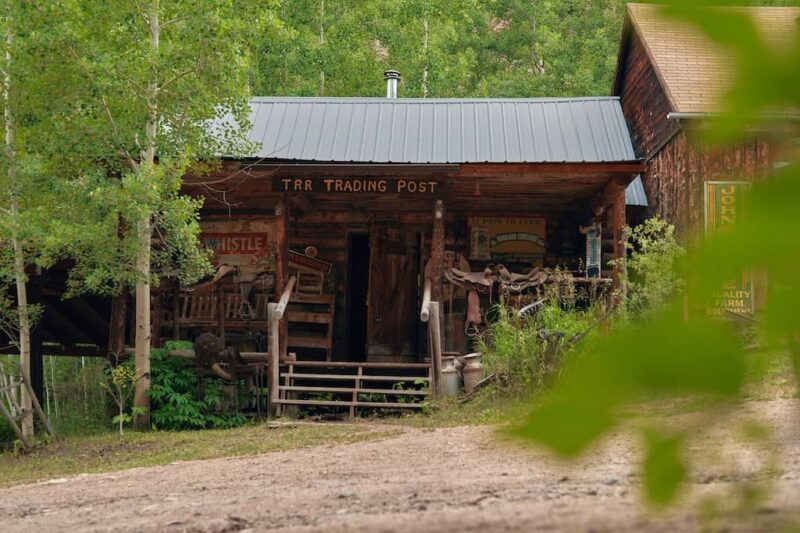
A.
pixel 443 48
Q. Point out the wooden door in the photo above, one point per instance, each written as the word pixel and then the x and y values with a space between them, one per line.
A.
pixel 393 313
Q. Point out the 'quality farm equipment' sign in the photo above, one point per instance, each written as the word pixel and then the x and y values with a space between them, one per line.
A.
pixel 724 205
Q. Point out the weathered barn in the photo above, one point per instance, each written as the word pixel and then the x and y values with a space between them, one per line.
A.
pixel 670 79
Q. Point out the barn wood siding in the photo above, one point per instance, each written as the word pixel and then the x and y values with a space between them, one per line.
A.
pixel 675 176
pixel 644 102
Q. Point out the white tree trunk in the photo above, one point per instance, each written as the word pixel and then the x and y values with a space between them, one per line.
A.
pixel 19 256
pixel 141 397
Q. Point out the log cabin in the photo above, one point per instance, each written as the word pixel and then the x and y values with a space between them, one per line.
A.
pixel 364 199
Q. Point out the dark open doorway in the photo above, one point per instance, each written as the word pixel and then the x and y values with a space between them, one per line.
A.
pixel 357 291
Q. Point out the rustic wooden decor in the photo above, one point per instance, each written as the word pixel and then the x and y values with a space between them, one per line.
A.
pixel 240 242
pixel 518 239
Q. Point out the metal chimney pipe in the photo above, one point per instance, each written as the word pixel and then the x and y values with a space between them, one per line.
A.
pixel 391 77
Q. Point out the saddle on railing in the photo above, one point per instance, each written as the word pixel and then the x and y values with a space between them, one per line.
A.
pixel 513 282
pixel 471 281
pixel 482 282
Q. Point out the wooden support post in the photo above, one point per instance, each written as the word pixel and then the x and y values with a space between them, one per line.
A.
pixel 157 315
pixel 221 311
pixel 37 344
pixel 615 222
pixel 434 324
pixel 119 312
pixel 176 313
pixel 273 374
pixel 437 251
pixel 281 263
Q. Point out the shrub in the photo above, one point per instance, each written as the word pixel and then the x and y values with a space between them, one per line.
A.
pixel 173 395
pixel 527 351
pixel 650 270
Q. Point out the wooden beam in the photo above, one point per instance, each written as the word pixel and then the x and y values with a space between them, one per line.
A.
pixel 116 326
pixel 489 169
pixel 36 374
pixel 437 251
pixel 282 263
pixel 615 221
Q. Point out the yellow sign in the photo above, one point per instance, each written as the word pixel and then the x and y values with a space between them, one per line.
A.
pixel 724 203
pixel 508 239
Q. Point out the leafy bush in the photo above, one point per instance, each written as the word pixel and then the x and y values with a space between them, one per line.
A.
pixel 527 351
pixel 173 395
pixel 650 270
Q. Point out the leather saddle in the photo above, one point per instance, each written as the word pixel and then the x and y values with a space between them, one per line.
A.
pixel 471 281
pixel 513 282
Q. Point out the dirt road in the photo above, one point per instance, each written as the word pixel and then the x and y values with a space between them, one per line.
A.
pixel 456 479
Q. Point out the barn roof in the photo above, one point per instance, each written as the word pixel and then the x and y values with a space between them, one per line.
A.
pixel 693 71
pixel 422 131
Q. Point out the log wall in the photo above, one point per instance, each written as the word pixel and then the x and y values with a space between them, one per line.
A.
pixel 675 175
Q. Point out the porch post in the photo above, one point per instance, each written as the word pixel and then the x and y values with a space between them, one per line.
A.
pixel 281 263
pixel 615 221
pixel 437 251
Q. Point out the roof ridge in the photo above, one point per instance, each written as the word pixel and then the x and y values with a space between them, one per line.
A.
pixel 381 99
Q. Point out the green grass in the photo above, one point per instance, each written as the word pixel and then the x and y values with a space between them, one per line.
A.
pixel 106 452
pixel 491 406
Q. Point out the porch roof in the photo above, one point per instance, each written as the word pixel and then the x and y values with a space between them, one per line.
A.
pixel 440 131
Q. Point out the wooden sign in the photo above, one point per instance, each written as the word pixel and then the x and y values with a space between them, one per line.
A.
pixel 724 204
pixel 508 239
pixel 239 243
pixel 311 263
pixel 355 185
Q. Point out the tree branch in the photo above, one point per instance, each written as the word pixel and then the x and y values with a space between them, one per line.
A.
pixel 172 21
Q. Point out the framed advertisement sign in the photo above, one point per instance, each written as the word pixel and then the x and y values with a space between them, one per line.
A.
pixel 724 205
pixel 519 239
pixel 239 243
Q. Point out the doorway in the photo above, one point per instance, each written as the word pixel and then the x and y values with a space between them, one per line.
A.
pixel 358 257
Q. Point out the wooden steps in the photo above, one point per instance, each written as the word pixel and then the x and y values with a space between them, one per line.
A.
pixel 310 322
pixel 354 385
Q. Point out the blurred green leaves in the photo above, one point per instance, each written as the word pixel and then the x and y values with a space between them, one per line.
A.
pixel 681 349
pixel 663 467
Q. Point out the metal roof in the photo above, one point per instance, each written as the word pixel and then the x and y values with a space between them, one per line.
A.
pixel 420 131
pixel 634 193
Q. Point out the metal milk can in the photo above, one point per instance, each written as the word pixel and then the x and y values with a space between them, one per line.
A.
pixel 473 371
pixel 449 377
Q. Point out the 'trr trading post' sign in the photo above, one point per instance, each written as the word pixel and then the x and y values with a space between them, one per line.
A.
pixel 724 205
pixel 508 239
pixel 355 185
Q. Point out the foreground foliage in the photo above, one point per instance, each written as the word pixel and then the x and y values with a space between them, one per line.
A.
pixel 680 349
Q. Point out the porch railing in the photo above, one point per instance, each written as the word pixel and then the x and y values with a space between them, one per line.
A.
pixel 430 313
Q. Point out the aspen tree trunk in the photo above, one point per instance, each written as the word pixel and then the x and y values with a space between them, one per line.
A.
pixel 425 53
pixel 16 243
pixel 141 397
pixel 321 43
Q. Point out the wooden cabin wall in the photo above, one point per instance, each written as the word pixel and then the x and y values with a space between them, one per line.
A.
pixel 644 101
pixel 675 176
pixel 328 232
